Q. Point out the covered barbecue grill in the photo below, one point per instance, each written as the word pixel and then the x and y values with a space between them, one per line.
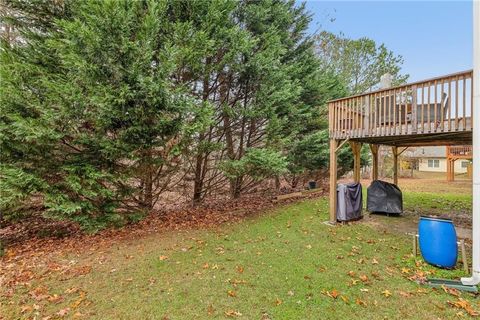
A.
pixel 384 197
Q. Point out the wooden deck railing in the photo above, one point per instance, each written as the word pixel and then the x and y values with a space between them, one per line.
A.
pixel 459 151
pixel 442 104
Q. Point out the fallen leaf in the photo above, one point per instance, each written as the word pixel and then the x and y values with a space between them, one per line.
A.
pixel 353 282
pixel 360 302
pixel 465 305
pixel 232 313
pixel 210 310
pixel 333 294
pixel 405 294
pixel 63 312
pixel 25 309
pixel 71 290
pixel 232 293
pixel 451 291
pixel 163 258
pixel 55 298
pixel 80 299
pixel 386 293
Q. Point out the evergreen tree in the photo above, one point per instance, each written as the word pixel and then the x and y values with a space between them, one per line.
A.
pixel 94 113
pixel 105 105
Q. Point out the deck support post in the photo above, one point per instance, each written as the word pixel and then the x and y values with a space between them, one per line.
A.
pixel 374 150
pixel 356 149
pixel 333 180
pixel 450 170
pixel 395 165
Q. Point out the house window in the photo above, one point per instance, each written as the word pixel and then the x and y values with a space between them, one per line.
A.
pixel 433 163
pixel 464 164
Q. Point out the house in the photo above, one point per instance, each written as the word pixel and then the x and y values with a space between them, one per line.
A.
pixel 434 159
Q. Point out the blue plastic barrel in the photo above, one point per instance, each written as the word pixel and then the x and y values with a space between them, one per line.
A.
pixel 438 241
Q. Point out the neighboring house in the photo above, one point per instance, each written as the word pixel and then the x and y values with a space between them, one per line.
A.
pixel 434 159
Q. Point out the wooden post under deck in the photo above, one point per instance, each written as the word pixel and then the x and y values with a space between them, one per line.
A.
pixel 450 176
pixel 333 180
pixel 450 169
pixel 395 165
pixel 374 150
pixel 356 149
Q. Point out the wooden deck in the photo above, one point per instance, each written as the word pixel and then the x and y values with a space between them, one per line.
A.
pixel 460 152
pixel 433 112
pixel 436 111
pixel 455 153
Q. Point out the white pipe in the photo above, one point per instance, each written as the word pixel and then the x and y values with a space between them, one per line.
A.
pixel 475 278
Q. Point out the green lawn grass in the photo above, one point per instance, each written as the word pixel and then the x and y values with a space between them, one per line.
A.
pixel 437 203
pixel 285 264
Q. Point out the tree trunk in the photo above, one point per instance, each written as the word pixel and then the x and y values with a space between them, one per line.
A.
pixel 198 184
pixel 227 125
pixel 148 181
pixel 277 183
pixel 202 157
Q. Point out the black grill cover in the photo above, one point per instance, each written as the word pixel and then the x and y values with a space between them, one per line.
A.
pixel 384 197
pixel 349 201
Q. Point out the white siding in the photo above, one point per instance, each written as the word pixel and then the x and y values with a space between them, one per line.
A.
pixel 423 165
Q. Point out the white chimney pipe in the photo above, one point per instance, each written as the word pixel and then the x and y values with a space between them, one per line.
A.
pixel 475 278
pixel 386 81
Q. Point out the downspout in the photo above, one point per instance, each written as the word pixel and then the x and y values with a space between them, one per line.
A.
pixel 475 278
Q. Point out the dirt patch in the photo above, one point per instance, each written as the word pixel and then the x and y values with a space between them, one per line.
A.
pixel 407 224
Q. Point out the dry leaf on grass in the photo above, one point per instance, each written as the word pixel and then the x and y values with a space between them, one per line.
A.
pixel 465 305
pixel 232 313
pixel 386 293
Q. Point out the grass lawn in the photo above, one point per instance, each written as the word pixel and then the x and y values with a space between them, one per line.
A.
pixel 432 194
pixel 286 264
